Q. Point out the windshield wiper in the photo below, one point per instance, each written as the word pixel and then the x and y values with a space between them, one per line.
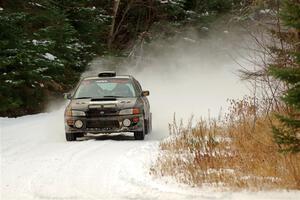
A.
pixel 83 98
pixel 104 97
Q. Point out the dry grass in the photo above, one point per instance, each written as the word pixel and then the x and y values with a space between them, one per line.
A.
pixel 237 152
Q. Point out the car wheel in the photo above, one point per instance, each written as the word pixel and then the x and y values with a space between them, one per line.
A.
pixel 140 135
pixel 146 122
pixel 150 123
pixel 70 137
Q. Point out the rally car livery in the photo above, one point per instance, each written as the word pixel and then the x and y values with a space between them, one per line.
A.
pixel 108 104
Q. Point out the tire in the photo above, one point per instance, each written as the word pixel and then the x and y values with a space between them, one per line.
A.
pixel 148 125
pixel 146 122
pixel 140 135
pixel 70 137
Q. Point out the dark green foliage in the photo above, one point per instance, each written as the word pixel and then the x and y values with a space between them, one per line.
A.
pixel 287 136
pixel 287 70
pixel 42 52
pixel 291 13
pixel 46 44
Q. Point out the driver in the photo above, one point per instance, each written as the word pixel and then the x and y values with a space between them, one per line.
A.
pixel 122 90
pixel 91 90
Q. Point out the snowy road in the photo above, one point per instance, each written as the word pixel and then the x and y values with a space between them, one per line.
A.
pixel 37 163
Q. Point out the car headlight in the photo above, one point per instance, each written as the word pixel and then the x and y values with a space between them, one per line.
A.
pixel 78 124
pixel 126 122
pixel 77 113
pixel 131 111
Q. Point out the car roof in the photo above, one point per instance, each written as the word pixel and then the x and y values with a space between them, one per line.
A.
pixel 99 78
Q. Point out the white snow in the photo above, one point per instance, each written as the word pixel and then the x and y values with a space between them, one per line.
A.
pixel 41 42
pixel 35 42
pixel 265 11
pixel 35 4
pixel 205 14
pixel 189 39
pixel 49 56
pixel 164 1
pixel 37 163
pixel 41 69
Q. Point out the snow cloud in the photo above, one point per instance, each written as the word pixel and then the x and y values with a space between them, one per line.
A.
pixel 190 75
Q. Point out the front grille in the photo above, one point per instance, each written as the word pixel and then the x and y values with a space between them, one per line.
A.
pixel 103 124
pixel 101 112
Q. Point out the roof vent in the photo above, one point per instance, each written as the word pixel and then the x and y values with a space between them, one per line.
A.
pixel 107 74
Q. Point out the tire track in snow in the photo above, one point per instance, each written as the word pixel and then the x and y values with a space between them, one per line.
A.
pixel 64 173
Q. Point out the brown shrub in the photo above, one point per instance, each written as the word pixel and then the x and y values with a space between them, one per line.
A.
pixel 236 152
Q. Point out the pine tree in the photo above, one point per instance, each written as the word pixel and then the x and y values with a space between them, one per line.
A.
pixel 44 47
pixel 287 70
pixel 28 61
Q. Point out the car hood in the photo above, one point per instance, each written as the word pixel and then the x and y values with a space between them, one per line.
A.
pixel 121 103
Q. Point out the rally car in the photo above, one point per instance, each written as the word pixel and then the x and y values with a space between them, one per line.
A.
pixel 105 104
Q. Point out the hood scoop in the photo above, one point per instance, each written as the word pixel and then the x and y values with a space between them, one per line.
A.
pixel 104 99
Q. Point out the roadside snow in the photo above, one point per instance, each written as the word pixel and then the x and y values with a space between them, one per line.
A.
pixel 37 163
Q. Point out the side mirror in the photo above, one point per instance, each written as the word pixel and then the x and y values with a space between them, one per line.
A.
pixel 67 95
pixel 145 93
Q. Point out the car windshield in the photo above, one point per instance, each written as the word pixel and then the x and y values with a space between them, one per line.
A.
pixel 105 88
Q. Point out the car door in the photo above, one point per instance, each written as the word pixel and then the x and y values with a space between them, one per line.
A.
pixel 144 99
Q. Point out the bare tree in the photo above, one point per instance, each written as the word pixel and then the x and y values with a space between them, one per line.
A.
pixel 116 4
pixel 123 12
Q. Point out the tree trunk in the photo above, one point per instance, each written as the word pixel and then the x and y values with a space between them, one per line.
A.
pixel 113 24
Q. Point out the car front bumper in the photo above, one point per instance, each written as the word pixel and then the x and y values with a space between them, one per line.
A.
pixel 105 125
